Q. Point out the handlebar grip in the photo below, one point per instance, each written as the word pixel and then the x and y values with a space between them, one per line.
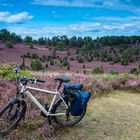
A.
pixel 41 81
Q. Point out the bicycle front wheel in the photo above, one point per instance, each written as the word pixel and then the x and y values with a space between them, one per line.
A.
pixel 68 119
pixel 11 114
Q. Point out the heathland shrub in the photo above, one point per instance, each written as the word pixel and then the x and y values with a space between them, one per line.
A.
pixel 6 72
pixel 35 56
pixel 134 71
pixel 113 72
pixel 51 62
pixel 36 65
pixel 9 45
pixel 80 60
pixel 31 46
pixel 28 55
pixel 43 58
pixel 97 70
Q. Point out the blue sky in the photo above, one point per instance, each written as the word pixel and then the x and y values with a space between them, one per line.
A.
pixel 71 17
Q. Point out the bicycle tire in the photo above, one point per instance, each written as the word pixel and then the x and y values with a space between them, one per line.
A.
pixel 63 123
pixel 9 105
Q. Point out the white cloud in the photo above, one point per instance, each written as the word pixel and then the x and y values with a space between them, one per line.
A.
pixel 7 17
pixel 7 5
pixel 93 29
pixel 110 4
pixel 117 19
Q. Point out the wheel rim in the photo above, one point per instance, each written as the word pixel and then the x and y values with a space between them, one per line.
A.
pixel 66 119
pixel 9 117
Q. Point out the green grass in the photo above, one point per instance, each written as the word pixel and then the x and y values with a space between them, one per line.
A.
pixel 108 76
pixel 115 116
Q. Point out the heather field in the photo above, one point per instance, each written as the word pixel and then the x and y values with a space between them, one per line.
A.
pixel 70 63
pixel 113 109
pixel 112 112
pixel 14 56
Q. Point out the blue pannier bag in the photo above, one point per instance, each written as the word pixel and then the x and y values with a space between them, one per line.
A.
pixel 73 87
pixel 79 102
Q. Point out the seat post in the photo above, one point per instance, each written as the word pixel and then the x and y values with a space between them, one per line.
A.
pixel 59 85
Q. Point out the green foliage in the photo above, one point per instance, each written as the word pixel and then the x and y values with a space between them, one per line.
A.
pixel 28 39
pixel 61 46
pixel 43 58
pixel 9 44
pixel 113 49
pixel 113 72
pixel 5 36
pixel 41 41
pixel 135 71
pixel 6 72
pixel 51 62
pixel 124 62
pixel 97 70
pixel 31 46
pixel 65 62
pixel 80 60
pixel 35 56
pixel 36 65
pixel 124 76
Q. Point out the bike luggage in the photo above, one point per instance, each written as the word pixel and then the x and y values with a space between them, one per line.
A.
pixel 79 102
pixel 73 87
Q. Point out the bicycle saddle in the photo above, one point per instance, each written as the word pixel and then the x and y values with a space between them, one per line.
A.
pixel 63 79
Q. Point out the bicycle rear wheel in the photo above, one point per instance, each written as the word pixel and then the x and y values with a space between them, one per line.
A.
pixel 68 119
pixel 11 114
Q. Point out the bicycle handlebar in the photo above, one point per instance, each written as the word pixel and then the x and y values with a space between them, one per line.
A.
pixel 25 80
pixel 41 81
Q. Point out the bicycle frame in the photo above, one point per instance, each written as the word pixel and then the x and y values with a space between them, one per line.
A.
pixel 25 90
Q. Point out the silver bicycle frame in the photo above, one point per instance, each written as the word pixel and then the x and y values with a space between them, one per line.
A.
pixel 25 90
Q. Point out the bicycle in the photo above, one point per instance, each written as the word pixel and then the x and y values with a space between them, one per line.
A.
pixel 59 110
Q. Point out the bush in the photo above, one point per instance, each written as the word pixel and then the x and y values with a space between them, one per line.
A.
pixel 84 66
pixel 68 67
pixel 31 46
pixel 113 72
pixel 43 58
pixel 60 46
pixel 6 72
pixel 80 60
pixel 134 71
pixel 28 55
pixel 9 45
pixel 52 62
pixel 47 66
pixel 72 59
pixel 36 65
pixel 84 71
pixel 34 56
pixel 124 62
pixel 97 70
pixel 65 63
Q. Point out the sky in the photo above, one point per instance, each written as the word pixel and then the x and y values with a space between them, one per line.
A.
pixel 81 18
